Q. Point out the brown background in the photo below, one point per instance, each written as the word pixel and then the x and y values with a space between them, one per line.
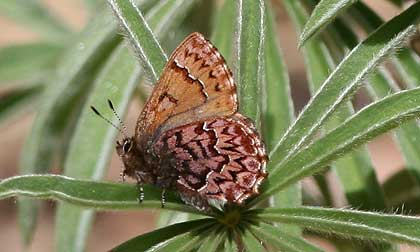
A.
pixel 112 228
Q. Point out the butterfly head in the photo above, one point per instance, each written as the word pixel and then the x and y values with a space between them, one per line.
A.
pixel 126 151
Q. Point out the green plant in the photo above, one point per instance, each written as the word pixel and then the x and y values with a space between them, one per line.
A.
pixel 96 64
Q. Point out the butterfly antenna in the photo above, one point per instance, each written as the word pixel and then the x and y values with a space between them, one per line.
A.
pixel 117 116
pixel 107 120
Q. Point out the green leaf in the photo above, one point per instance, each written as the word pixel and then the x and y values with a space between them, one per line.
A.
pixel 94 5
pixel 349 223
pixel 406 62
pixel 323 14
pixel 184 242
pixel 355 170
pixel 402 188
pixel 224 28
pixel 33 14
pixel 149 241
pixel 93 140
pixel 282 240
pixel 381 84
pixel 89 194
pixel 357 130
pixel 230 245
pixel 92 143
pixel 141 37
pixel 249 71
pixel 277 108
pixel 345 80
pixel 169 217
pixel 27 62
pixel 212 242
pixel 251 243
pixel 15 102
pixel 62 100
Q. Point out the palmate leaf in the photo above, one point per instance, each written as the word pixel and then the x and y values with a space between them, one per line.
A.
pixel 348 223
pixel 249 60
pixel 93 139
pixel 323 14
pixel 358 129
pixel 345 80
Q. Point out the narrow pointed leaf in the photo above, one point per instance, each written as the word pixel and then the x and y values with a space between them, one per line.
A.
pixel 98 195
pixel 92 143
pixel 282 240
pixel 62 99
pixel 354 170
pixel 249 60
pixel 230 245
pixel 323 14
pixel 224 28
pixel 407 63
pixel 183 242
pixel 33 14
pixel 345 80
pixel 141 37
pixel 213 241
pixel 278 111
pixel 251 243
pixel 150 240
pixel 27 62
pixel 360 128
pixel 349 223
pixel 14 103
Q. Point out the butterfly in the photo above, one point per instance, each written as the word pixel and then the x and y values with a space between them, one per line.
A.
pixel 190 137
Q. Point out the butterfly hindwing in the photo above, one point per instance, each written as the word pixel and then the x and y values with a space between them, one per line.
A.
pixel 195 85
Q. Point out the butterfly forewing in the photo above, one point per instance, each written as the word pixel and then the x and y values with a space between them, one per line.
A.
pixel 195 84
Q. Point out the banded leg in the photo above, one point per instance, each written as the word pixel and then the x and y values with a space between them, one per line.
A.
pixel 140 188
pixel 163 199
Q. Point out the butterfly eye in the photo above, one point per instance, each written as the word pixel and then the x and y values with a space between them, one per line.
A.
pixel 127 146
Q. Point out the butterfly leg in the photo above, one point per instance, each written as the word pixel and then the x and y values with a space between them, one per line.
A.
pixel 141 192
pixel 163 198
pixel 140 187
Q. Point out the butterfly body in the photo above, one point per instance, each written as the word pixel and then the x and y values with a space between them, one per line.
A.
pixel 190 136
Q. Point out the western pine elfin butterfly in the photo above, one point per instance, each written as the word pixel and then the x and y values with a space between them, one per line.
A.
pixel 190 137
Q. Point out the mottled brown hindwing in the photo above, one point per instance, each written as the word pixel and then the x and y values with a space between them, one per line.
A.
pixel 222 158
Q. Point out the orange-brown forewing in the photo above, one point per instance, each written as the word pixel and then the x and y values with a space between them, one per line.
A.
pixel 195 84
